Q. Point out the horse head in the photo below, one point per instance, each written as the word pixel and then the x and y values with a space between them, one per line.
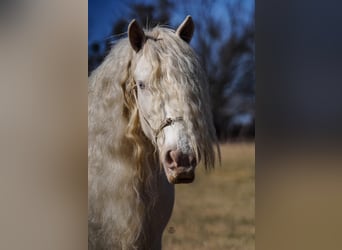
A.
pixel 171 96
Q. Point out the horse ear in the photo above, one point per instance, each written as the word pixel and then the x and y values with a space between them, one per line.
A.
pixel 186 29
pixel 136 35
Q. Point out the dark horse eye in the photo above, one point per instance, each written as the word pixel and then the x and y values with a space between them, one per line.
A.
pixel 141 85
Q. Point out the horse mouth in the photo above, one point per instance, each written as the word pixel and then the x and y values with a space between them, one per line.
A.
pixel 183 180
pixel 184 176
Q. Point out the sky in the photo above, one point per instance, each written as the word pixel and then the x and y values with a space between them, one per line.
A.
pixel 102 14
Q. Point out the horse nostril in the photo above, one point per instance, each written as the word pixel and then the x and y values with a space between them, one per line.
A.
pixel 168 157
pixel 175 158
pixel 193 161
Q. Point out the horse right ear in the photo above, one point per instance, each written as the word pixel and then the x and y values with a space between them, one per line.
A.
pixel 186 29
pixel 136 35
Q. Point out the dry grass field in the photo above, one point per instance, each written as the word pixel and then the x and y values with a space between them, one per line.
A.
pixel 217 210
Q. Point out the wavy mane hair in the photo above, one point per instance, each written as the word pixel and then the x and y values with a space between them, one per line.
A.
pixel 123 162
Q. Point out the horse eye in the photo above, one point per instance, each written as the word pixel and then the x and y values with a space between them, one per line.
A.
pixel 141 85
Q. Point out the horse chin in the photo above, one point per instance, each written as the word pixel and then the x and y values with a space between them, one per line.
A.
pixel 179 177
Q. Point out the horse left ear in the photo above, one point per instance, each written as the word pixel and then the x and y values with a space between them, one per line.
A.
pixel 186 29
pixel 136 35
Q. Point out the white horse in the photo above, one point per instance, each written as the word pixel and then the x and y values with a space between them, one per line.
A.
pixel 150 124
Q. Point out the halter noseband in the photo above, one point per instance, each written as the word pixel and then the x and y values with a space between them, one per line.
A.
pixel 167 122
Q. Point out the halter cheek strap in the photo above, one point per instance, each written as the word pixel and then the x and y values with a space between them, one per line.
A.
pixel 167 122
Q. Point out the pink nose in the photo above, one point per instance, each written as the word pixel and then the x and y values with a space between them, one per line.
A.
pixel 175 159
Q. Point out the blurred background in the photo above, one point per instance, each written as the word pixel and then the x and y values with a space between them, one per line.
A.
pixel 223 40
pixel 43 128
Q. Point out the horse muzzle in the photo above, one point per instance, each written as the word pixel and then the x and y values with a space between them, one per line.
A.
pixel 179 167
